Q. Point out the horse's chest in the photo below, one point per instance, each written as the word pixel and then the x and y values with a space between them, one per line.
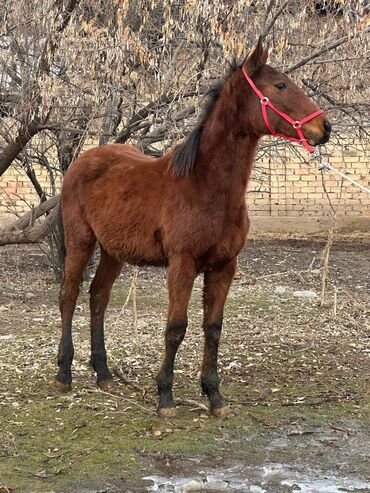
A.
pixel 224 248
pixel 213 236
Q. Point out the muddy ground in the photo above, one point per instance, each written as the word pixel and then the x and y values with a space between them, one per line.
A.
pixel 294 373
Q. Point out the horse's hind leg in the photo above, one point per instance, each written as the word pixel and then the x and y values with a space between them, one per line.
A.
pixel 78 254
pixel 181 275
pixel 107 272
pixel 216 286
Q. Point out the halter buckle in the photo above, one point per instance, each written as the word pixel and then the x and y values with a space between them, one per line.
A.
pixel 265 100
pixel 297 124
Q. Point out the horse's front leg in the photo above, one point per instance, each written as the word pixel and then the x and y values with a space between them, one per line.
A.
pixel 181 276
pixel 216 287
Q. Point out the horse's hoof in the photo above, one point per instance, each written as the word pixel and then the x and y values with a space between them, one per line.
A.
pixel 167 412
pixel 221 412
pixel 62 387
pixel 106 384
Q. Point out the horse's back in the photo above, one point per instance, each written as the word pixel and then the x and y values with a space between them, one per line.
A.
pixel 118 192
pixel 98 160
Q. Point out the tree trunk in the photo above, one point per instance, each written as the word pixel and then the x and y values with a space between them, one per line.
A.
pixel 14 148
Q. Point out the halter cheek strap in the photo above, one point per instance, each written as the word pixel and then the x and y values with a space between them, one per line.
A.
pixel 265 102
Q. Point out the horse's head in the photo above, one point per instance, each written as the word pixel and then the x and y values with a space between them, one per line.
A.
pixel 274 97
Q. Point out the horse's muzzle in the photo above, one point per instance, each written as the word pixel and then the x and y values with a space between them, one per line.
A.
pixel 315 139
pixel 327 132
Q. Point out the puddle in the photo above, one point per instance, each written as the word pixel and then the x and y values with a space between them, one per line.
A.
pixel 273 478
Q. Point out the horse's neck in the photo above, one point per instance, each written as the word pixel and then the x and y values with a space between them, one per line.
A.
pixel 226 151
pixel 225 162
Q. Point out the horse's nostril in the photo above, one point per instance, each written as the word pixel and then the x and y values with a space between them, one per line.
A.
pixel 327 127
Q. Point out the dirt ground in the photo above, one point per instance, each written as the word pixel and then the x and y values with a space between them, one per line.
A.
pixel 295 374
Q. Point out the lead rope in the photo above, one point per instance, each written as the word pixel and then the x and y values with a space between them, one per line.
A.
pixel 326 166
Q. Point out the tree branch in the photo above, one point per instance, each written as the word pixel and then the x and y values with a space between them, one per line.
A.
pixel 325 49
pixel 12 150
pixel 145 112
pixel 25 230
pixel 266 30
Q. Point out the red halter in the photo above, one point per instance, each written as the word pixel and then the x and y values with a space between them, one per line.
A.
pixel 296 124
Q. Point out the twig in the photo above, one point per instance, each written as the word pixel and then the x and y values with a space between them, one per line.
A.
pixel 131 401
pixel 134 305
pixel 5 489
pixel 360 305
pixel 325 269
pixel 170 74
pixel 316 402
pixel 337 428
pixel 127 381
pixel 191 402
pixel 325 49
pixel 327 193
pixel 267 29
pixel 311 264
pixel 335 301
pixel 267 13
pixel 134 278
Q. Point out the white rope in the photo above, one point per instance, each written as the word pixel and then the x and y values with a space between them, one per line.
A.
pixel 326 166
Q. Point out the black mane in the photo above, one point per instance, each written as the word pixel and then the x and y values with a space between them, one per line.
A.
pixel 185 154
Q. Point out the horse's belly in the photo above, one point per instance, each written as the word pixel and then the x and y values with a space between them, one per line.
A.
pixel 137 252
pixel 133 241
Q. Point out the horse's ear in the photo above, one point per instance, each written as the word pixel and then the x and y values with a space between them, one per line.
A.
pixel 256 58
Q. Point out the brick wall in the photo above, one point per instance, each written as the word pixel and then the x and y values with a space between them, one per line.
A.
pixel 17 194
pixel 285 187
pixel 290 187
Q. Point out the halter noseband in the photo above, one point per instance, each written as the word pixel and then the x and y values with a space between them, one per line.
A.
pixel 296 124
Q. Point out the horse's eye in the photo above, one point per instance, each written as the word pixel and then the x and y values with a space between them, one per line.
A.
pixel 281 85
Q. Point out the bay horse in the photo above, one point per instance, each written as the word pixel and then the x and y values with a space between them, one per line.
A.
pixel 185 210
